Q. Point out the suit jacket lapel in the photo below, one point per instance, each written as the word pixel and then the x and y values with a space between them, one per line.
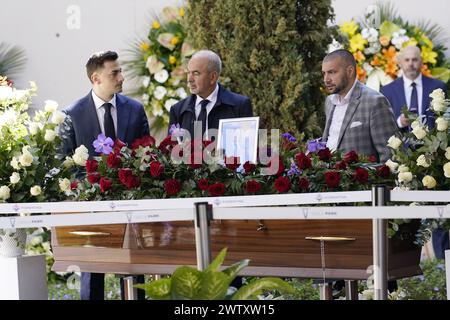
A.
pixel 91 119
pixel 351 108
pixel 326 132
pixel 426 90
pixel 401 94
pixel 123 115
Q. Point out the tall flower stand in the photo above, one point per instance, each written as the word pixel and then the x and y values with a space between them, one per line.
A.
pixel 23 278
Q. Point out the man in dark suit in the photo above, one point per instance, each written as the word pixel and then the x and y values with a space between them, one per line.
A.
pixel 209 101
pixel 413 91
pixel 103 110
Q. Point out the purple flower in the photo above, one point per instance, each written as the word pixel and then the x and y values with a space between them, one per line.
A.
pixel 173 128
pixel 294 170
pixel 289 137
pixel 316 145
pixel 103 144
pixel 421 278
pixel 440 266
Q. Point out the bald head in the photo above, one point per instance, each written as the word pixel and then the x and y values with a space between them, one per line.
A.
pixel 410 61
pixel 345 57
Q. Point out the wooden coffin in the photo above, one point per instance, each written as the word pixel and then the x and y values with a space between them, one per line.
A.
pixel 275 247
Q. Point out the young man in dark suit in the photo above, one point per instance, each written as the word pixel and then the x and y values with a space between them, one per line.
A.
pixel 413 91
pixel 102 110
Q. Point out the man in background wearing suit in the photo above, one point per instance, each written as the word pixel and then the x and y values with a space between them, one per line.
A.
pixel 209 101
pixel 413 91
pixel 357 117
pixel 103 110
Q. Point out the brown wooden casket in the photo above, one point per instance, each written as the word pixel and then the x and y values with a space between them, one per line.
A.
pixel 275 247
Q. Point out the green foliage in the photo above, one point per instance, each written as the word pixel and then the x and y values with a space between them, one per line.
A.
pixel 188 283
pixel 271 52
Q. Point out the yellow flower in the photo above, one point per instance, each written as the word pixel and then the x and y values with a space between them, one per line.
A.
pixel 156 25
pixel 172 60
pixel 427 41
pixel 349 28
pixel 175 40
pixel 428 55
pixel 182 12
pixel 357 42
pixel 145 46
pixel 410 43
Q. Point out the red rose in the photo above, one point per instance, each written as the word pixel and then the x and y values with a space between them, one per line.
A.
pixel 156 169
pixel 216 189
pixel 113 160
pixel 93 177
pixel 332 179
pixel 282 184
pixel 196 160
pixel 91 166
pixel 132 182
pixel 372 159
pixel 303 184
pixel 383 171
pixel 249 167
pixel 118 145
pixel 341 165
pixel 124 174
pixel 172 187
pixel 105 184
pixel 303 161
pixel 167 144
pixel 232 163
pixel 203 184
pixel 361 175
pixel 74 185
pixel 351 157
pixel 324 154
pixel 252 186
pixel 145 141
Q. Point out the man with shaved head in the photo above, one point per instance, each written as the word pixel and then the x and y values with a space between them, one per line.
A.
pixel 357 117
pixel 413 90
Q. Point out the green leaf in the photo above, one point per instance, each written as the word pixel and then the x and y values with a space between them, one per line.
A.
pixel 387 28
pixel 186 283
pixel 214 286
pixel 441 73
pixel 250 290
pixel 215 265
pixel 233 270
pixel 158 290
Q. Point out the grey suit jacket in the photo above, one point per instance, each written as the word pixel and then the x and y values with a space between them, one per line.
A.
pixel 367 125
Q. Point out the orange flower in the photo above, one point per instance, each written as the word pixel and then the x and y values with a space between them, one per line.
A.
pixel 389 53
pixel 361 73
pixel 391 69
pixel 359 56
pixel 384 41
pixel 375 62
pixel 425 71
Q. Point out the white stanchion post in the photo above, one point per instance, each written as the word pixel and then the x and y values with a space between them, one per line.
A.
pixel 379 198
pixel 202 218
pixel 447 272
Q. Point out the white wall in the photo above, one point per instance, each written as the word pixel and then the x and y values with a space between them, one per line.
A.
pixel 56 63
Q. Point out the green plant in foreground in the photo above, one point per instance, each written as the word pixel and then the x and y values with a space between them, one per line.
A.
pixel 188 283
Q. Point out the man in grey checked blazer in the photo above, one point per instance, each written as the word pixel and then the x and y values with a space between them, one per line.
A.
pixel 357 117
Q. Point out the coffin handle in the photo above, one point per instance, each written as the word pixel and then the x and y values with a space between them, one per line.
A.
pixel 330 239
pixel 261 226
pixel 90 233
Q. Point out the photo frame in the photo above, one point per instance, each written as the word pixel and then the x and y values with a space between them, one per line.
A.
pixel 238 137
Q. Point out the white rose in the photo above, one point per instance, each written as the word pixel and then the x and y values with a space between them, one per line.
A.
pixel 35 190
pixel 159 92
pixel 26 159
pixel 441 124
pixel 15 163
pixel 419 132
pixel 403 168
pixel 394 142
pixel 423 161
pixel 438 106
pixel 145 81
pixel 392 165
pixel 58 117
pixel 145 98
pixel 36 240
pixel 14 178
pixel 437 94
pixel 4 193
pixel 415 124
pixel 68 163
pixel 81 155
pixel 49 135
pixel 50 106
pixel 429 182
pixel 169 103
pixel 447 153
pixel 34 128
pixel 64 184
pixel 447 169
pixel 404 176
pixel 162 76
pixel 180 92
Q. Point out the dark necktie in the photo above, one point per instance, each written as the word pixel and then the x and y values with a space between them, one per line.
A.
pixel 414 104
pixel 202 115
pixel 108 122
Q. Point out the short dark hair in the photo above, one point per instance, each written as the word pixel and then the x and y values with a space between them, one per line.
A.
pixel 97 60
pixel 345 55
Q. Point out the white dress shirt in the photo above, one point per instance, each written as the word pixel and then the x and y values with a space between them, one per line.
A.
pixel 338 117
pixel 408 90
pixel 101 111
pixel 212 101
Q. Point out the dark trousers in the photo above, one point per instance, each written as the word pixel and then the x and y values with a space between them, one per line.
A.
pixel 440 240
pixel 93 286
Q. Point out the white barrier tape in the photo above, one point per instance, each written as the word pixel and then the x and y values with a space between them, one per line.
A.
pixel 420 196
pixel 60 220
pixel 388 212
pixel 187 203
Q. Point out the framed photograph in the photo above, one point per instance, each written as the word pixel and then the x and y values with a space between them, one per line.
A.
pixel 238 137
